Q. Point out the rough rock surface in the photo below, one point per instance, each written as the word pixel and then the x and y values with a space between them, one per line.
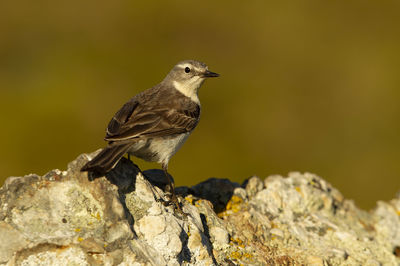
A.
pixel 62 218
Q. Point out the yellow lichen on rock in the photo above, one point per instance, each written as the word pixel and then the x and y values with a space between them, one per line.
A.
pixel 234 204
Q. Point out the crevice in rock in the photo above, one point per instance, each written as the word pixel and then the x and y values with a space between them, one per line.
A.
pixel 184 255
pixel 128 215
pixel 207 241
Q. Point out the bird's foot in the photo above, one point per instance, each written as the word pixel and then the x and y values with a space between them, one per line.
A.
pixel 171 193
pixel 173 200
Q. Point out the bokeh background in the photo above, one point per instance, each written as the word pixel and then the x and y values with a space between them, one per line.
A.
pixel 305 86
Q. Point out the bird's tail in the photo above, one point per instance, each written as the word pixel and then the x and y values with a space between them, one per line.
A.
pixel 106 159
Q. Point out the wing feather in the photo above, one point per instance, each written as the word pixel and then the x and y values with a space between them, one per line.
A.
pixel 137 119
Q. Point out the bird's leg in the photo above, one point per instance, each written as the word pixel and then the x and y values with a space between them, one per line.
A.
pixel 170 185
pixel 173 199
pixel 129 158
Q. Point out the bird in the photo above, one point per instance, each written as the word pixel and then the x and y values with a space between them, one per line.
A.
pixel 155 123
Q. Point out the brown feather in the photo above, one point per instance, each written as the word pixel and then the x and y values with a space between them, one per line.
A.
pixel 166 114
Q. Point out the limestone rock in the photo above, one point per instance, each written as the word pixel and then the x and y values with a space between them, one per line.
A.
pixel 63 218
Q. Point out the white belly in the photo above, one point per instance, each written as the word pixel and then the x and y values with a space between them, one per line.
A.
pixel 158 149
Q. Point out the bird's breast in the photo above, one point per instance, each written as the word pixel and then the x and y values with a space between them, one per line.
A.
pixel 158 149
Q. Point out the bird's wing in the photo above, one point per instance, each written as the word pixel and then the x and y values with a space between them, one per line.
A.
pixel 137 120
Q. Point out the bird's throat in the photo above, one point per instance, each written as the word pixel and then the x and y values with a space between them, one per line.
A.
pixel 190 88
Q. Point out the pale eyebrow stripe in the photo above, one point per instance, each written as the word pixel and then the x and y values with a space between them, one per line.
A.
pixel 186 65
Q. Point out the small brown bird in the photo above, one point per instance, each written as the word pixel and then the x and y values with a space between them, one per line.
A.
pixel 155 123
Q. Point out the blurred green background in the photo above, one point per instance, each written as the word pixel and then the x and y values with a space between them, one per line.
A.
pixel 305 86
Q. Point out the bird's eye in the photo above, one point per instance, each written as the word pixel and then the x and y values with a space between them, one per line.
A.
pixel 187 69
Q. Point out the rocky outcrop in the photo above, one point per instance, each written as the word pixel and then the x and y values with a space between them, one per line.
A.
pixel 62 218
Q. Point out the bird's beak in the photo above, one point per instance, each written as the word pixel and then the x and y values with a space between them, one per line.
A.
pixel 209 74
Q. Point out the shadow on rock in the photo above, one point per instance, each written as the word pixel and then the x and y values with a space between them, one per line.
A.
pixel 123 175
pixel 217 191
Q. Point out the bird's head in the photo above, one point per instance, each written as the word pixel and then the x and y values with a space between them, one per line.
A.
pixel 187 76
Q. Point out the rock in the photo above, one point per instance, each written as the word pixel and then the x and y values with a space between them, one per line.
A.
pixel 253 185
pixel 63 218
